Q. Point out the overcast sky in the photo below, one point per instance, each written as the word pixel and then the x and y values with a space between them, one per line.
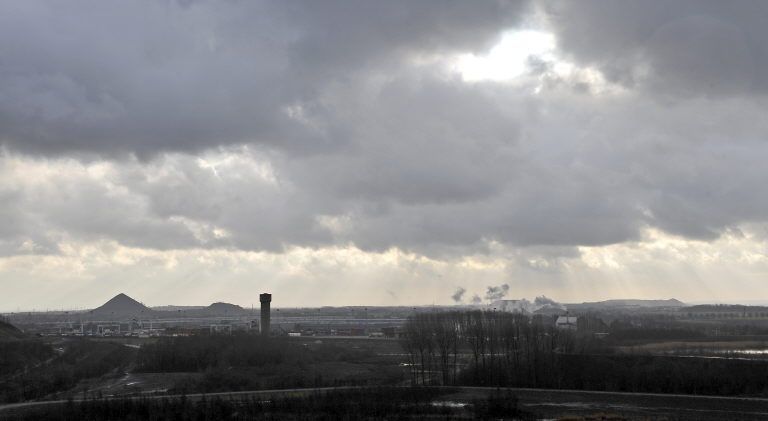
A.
pixel 381 152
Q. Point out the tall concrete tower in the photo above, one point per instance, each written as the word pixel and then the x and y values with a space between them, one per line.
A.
pixel 265 299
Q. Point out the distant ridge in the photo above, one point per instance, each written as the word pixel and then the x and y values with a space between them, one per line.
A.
pixel 550 310
pixel 122 304
pixel 177 308
pixel 220 308
pixel 629 303
pixel 215 309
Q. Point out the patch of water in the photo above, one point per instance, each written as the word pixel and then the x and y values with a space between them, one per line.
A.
pixel 449 404
pixel 745 351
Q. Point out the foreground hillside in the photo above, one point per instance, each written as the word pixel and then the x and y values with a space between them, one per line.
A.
pixel 9 331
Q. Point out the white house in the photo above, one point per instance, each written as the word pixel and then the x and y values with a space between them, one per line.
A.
pixel 566 322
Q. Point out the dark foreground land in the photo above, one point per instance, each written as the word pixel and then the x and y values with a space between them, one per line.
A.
pixel 385 403
pixel 450 365
pixel 351 403
pixel 638 406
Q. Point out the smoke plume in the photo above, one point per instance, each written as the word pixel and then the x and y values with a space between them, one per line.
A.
pixel 458 295
pixel 543 300
pixel 476 299
pixel 496 293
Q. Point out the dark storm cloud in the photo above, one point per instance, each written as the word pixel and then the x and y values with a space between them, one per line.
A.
pixel 116 77
pixel 674 48
pixel 267 125
pixel 415 139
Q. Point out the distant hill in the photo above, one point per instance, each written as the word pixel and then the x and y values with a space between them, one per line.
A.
pixel 122 305
pixel 725 308
pixel 177 308
pixel 9 331
pixel 550 310
pixel 630 303
pixel 215 309
pixel 221 309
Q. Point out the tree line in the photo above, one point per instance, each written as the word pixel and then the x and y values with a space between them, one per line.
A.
pixel 482 347
pixel 486 348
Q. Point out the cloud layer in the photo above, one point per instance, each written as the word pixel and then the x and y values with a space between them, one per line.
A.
pixel 270 126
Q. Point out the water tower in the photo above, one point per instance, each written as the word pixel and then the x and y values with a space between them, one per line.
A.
pixel 265 299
